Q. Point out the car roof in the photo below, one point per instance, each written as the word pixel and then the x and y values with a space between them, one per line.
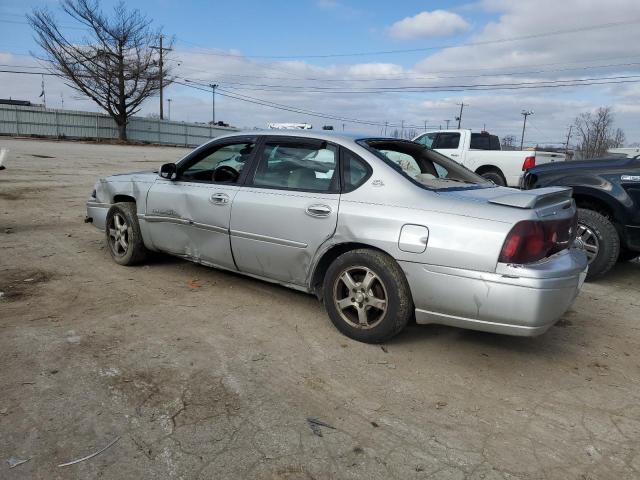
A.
pixel 329 135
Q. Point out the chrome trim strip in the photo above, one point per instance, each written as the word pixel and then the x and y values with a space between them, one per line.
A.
pixel 265 238
pixel 182 221
pixel 211 228
pixel 160 218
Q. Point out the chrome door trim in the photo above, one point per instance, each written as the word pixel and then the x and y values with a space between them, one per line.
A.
pixel 182 221
pixel 265 238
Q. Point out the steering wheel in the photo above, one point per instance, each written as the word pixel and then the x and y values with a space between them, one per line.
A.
pixel 225 173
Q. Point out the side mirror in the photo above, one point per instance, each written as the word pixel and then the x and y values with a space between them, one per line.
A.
pixel 169 171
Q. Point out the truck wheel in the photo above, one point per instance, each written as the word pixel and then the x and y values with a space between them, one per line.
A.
pixel 367 296
pixel 123 236
pixel 627 255
pixel 599 238
pixel 494 176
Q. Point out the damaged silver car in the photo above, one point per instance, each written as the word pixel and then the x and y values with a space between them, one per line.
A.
pixel 381 230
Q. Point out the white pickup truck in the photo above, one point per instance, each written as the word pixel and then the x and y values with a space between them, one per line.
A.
pixel 481 153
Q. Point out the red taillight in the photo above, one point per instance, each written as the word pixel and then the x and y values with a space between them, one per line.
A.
pixel 528 163
pixel 532 240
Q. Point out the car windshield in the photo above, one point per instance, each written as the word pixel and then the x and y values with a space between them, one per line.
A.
pixel 422 165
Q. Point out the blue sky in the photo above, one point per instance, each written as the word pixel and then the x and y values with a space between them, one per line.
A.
pixel 206 33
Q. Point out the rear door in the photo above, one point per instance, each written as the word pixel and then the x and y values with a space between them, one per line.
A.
pixel 449 144
pixel 287 208
pixel 190 216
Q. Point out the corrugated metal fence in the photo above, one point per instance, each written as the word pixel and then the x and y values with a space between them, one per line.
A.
pixel 47 122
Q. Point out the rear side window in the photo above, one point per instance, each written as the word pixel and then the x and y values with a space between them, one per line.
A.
pixel 484 141
pixel 355 171
pixel 447 140
pixel 298 166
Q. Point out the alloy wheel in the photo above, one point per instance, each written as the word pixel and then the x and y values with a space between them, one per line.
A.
pixel 588 240
pixel 360 297
pixel 118 234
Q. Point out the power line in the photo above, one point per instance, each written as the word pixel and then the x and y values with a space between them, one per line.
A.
pixel 436 47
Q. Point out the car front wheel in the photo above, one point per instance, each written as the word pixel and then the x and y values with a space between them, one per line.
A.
pixel 367 296
pixel 123 234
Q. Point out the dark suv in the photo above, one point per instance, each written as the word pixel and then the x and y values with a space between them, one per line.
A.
pixel 607 193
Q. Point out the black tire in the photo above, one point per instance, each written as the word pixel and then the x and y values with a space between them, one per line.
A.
pixel 135 251
pixel 495 176
pixel 389 281
pixel 627 255
pixel 608 247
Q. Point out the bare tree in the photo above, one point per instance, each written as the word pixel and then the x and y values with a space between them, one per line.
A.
pixel 115 64
pixel 596 134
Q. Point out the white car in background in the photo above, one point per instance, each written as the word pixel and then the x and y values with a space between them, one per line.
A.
pixel 481 153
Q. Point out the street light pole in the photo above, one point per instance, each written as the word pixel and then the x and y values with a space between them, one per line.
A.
pixel 213 102
pixel 169 102
pixel 525 114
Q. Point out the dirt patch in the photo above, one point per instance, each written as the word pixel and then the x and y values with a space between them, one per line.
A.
pixel 16 284
pixel 20 193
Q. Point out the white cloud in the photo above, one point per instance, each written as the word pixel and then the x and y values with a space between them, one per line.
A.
pixel 438 23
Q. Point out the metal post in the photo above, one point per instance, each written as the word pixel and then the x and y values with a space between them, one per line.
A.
pixel 525 114
pixel 57 124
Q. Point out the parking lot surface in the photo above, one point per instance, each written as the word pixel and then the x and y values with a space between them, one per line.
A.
pixel 209 375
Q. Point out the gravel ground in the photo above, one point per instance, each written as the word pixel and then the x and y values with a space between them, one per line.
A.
pixel 205 374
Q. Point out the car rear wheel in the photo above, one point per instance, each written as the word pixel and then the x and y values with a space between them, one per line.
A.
pixel 123 236
pixel 599 239
pixel 367 296
pixel 495 177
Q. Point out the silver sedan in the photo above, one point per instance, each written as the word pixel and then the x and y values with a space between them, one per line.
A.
pixel 381 230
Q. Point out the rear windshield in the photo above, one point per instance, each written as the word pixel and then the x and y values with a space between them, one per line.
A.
pixel 422 165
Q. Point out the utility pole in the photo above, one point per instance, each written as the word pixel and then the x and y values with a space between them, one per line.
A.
pixel 566 147
pixel 161 50
pixel 447 120
pixel 525 114
pixel 385 128
pixel 425 125
pixel 459 117
pixel 169 102
pixel 402 129
pixel 213 102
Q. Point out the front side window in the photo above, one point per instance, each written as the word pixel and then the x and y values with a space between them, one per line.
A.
pixel 448 140
pixel 223 164
pixel 307 166
pixel 427 139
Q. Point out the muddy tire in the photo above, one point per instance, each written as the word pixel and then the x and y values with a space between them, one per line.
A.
pixel 367 296
pixel 600 240
pixel 122 233
pixel 494 176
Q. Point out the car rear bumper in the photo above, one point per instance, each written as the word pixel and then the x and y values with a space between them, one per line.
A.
pixel 97 214
pixel 516 300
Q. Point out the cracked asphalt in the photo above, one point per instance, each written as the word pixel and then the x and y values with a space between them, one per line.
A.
pixel 203 374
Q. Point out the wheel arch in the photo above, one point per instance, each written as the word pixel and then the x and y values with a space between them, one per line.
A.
pixel 320 267
pixel 490 168
pixel 120 197
pixel 604 204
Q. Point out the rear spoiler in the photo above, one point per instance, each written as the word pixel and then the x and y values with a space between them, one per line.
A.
pixel 540 197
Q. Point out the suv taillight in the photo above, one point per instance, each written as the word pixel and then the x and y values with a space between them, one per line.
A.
pixel 528 163
pixel 532 240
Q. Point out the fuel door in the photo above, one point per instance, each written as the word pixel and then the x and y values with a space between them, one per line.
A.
pixel 413 238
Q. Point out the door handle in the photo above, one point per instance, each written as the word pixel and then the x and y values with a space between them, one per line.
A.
pixel 318 210
pixel 219 198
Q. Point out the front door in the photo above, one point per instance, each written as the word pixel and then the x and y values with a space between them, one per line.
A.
pixel 189 216
pixel 287 208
